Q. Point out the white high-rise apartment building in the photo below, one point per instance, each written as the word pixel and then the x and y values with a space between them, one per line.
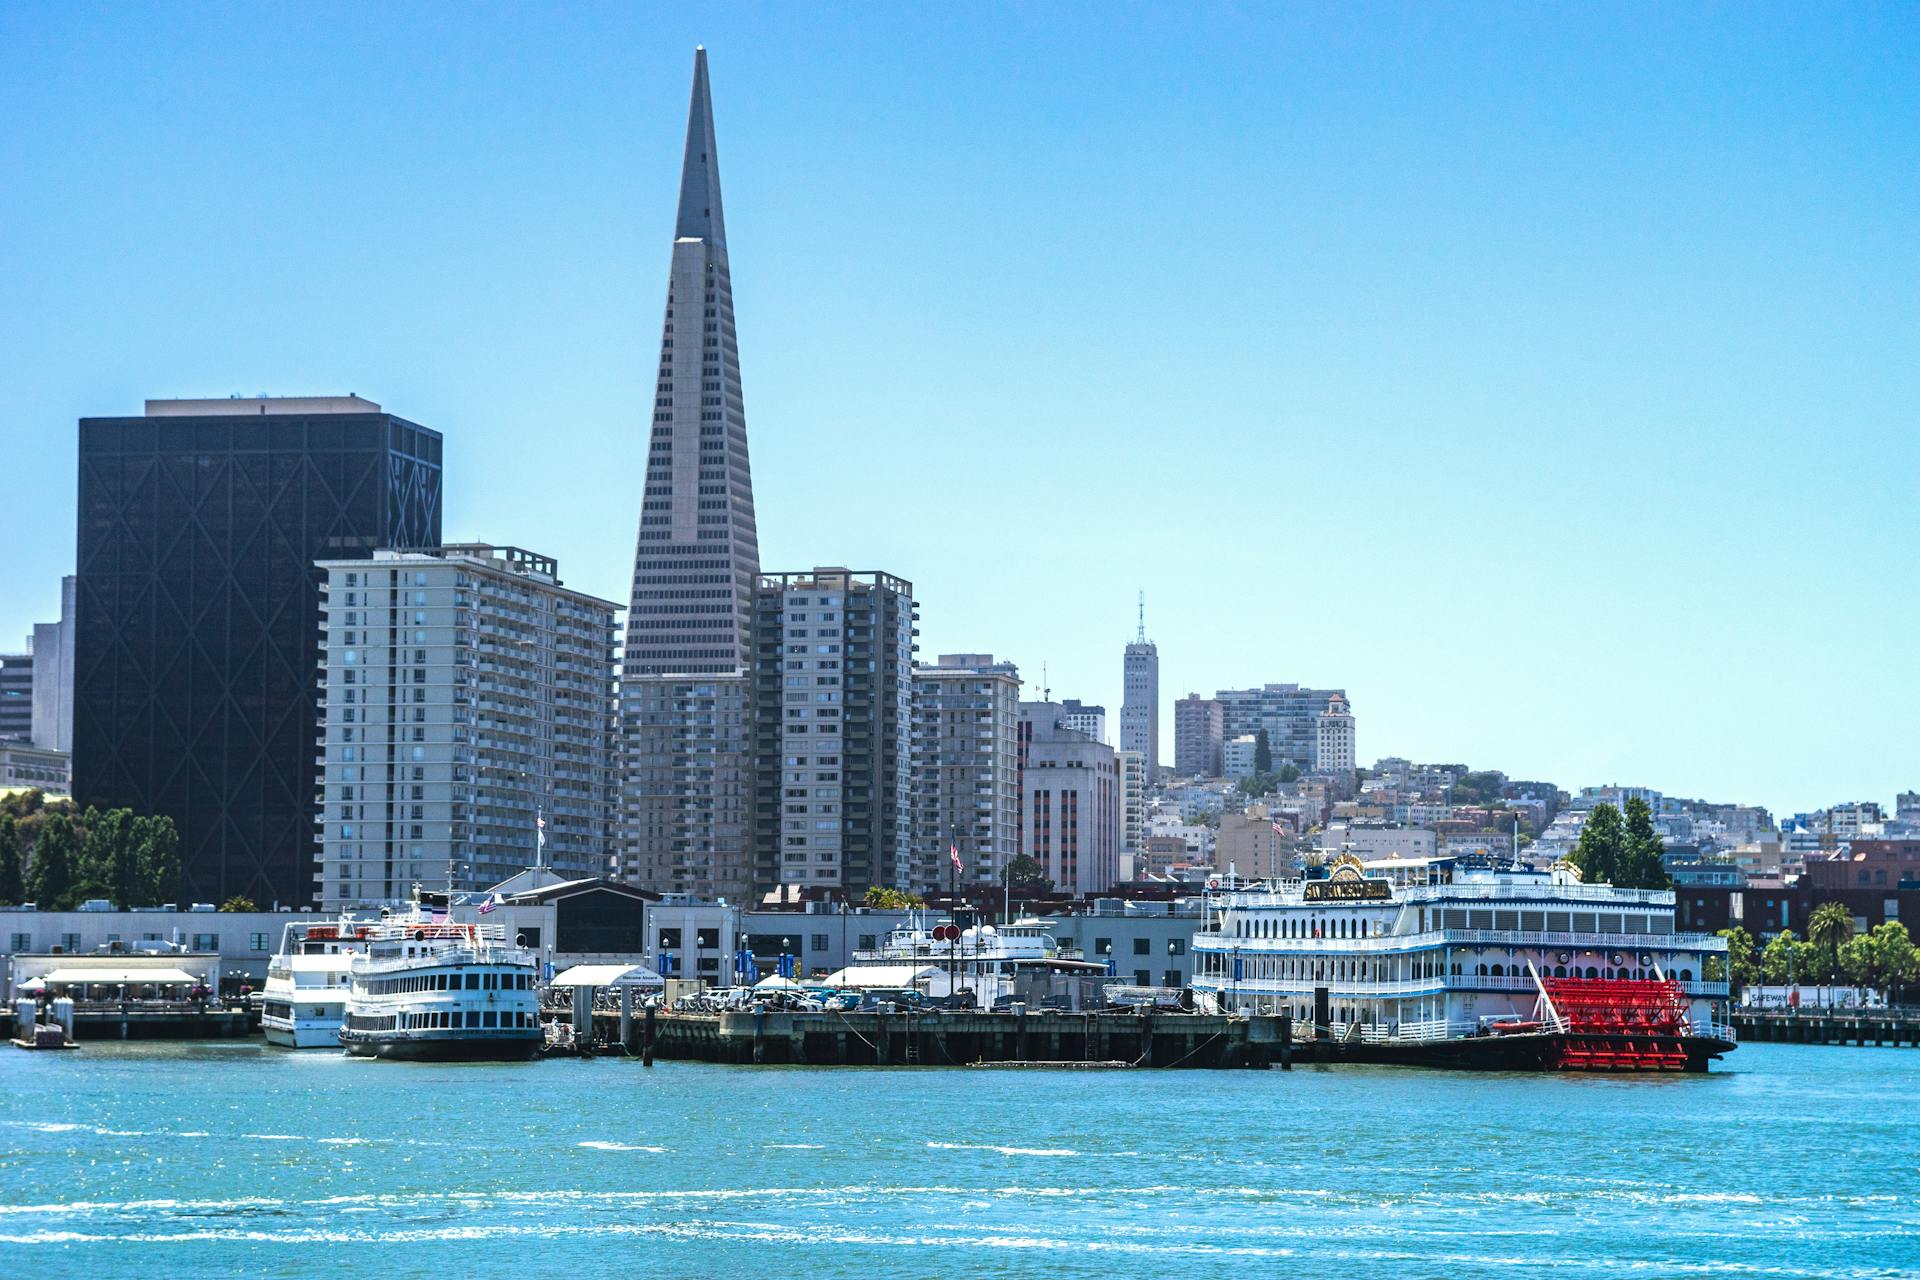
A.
pixel 1133 800
pixel 966 769
pixel 833 730
pixel 1333 737
pixel 1140 698
pixel 466 722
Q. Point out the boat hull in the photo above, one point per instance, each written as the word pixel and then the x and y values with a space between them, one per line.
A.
pixel 1545 1051
pixel 480 1048
pixel 320 1035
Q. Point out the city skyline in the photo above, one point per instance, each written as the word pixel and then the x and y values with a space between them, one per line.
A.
pixel 1623 541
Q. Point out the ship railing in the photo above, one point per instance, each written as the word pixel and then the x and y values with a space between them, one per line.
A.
pixel 1213 940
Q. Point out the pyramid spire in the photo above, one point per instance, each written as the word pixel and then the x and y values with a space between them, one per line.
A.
pixel 700 217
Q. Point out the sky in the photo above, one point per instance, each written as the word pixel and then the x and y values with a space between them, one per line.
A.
pixel 1543 376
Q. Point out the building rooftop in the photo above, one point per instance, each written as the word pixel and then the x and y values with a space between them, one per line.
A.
pixel 250 406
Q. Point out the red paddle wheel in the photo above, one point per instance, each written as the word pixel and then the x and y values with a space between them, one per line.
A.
pixel 1610 1024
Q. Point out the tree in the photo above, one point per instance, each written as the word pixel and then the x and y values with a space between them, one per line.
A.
pixel 1783 962
pixel 1262 753
pixel 1640 865
pixel 1741 967
pixel 1895 961
pixel 1025 872
pixel 54 853
pixel 1289 772
pixel 110 857
pixel 13 887
pixel 1259 784
pixel 159 861
pixel 1828 929
pixel 239 902
pixel 1602 847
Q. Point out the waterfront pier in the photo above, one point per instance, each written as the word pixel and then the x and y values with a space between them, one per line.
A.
pixel 948 1038
pixel 1830 1026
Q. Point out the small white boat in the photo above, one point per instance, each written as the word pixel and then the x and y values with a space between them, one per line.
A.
pixel 304 1001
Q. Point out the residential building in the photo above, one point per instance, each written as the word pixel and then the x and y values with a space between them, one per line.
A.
pixel 686 775
pixel 466 722
pixel 16 697
pixel 686 800
pixel 1239 755
pixel 1289 713
pixel 1199 726
pixel 966 769
pixel 1372 842
pixel 1069 801
pixel 1333 738
pixel 833 730
pixel 52 647
pixel 197 614
pixel 1140 698
pixel 1088 719
pixel 1133 800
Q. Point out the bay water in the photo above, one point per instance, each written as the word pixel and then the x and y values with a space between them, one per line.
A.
pixel 235 1158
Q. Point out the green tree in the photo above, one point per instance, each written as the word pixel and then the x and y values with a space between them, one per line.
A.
pixel 1892 961
pixel 1742 966
pixel 1262 753
pixel 159 862
pixel 1640 865
pixel 55 851
pixel 1289 772
pixel 1025 872
pixel 239 902
pixel 110 857
pixel 1259 784
pixel 1602 846
pixel 1784 960
pixel 1828 929
pixel 13 885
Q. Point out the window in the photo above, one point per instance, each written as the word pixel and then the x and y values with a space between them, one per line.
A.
pixel 256 942
pixel 206 942
pixel 708 938
pixel 1103 946
pixel 819 942
pixel 1142 947
pixel 1176 947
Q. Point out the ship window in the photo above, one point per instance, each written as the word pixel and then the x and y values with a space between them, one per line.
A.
pixel 473 1015
pixel 473 984
pixel 1480 919
pixel 488 1019
pixel 1508 920
pixel 1611 924
pixel 1533 921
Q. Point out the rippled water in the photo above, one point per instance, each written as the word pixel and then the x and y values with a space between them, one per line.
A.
pixel 198 1159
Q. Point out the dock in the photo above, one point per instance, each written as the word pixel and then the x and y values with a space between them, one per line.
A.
pixel 955 1038
pixel 135 1020
pixel 1829 1026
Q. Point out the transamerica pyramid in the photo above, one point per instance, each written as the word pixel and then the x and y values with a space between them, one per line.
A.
pixel 697 556
pixel 686 772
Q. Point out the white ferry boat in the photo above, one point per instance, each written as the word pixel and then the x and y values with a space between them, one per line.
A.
pixel 1498 966
pixel 429 988
pixel 304 1001
pixel 984 963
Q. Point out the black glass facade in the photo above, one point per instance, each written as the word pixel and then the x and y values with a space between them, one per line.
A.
pixel 197 643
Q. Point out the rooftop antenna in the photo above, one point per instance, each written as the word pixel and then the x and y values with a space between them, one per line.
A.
pixel 1046 690
pixel 1143 618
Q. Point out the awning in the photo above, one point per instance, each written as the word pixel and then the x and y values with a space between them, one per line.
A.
pixel 609 975
pixel 868 976
pixel 107 973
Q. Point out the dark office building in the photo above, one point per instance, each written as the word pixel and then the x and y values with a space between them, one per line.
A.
pixel 198 625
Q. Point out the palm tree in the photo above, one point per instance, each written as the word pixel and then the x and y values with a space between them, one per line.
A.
pixel 1828 928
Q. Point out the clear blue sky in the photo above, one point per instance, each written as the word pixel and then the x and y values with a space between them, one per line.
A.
pixel 1546 377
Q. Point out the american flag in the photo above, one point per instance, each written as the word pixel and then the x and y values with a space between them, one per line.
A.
pixel 953 855
pixel 539 827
